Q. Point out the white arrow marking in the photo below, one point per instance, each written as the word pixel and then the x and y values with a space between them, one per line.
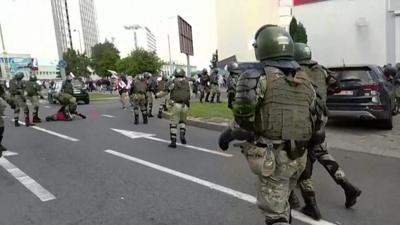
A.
pixel 237 194
pixel 9 153
pixel 134 135
pixel 27 181
pixel 108 116
pixel 63 136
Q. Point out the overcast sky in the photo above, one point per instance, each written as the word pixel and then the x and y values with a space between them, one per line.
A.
pixel 28 26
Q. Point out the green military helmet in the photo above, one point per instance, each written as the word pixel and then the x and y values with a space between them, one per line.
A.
pixel 302 52
pixel 179 72
pixel 147 75
pixel 214 71
pixel 233 68
pixel 204 71
pixel 19 75
pixel 273 42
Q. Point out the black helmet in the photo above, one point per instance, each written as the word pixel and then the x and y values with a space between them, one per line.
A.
pixel 273 42
pixel 32 77
pixel 301 52
pixel 204 71
pixel 147 75
pixel 233 68
pixel 214 71
pixel 179 72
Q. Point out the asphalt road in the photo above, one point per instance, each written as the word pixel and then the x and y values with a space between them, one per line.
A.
pixel 83 172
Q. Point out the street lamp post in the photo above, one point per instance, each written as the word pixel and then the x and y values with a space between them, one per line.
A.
pixel 134 28
pixel 80 42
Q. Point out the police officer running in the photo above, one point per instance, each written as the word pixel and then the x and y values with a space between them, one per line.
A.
pixel 275 110
pixel 138 95
pixel 33 93
pixel 325 83
pixel 6 98
pixel 234 72
pixel 17 91
pixel 179 91
pixel 161 87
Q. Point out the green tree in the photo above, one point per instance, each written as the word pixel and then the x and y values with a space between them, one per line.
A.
pixel 301 34
pixel 76 63
pixel 140 61
pixel 104 57
pixel 293 27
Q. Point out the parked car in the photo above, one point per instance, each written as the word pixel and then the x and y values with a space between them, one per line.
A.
pixel 364 94
pixel 80 92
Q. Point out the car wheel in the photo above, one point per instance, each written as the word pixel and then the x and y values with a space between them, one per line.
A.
pixel 87 101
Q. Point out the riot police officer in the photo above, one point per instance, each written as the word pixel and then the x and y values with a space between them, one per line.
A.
pixel 151 88
pixel 138 95
pixel 67 99
pixel 215 90
pixel 276 108
pixel 33 93
pixel 204 85
pixel 234 72
pixel 324 82
pixel 179 91
pixel 17 91
pixel 6 98
pixel 161 87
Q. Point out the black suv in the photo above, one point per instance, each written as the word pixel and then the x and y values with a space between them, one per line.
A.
pixel 364 94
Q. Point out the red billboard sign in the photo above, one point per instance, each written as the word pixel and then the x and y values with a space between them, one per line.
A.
pixel 302 2
pixel 185 36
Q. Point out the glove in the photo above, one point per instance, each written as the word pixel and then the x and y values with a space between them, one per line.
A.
pixel 187 103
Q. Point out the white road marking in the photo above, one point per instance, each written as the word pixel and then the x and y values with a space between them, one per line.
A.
pixel 9 153
pixel 47 107
pixel 108 116
pixel 237 194
pixel 134 135
pixel 63 136
pixel 27 181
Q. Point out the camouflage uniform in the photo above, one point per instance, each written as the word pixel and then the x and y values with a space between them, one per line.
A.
pixel 4 96
pixel 33 89
pixel 276 108
pixel 323 80
pixel 204 86
pixel 151 88
pixel 233 69
pixel 179 90
pixel 161 87
pixel 17 87
pixel 67 100
pixel 138 96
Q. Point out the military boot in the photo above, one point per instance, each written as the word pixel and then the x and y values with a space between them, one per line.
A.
pixel 172 133
pixel 36 118
pixel 294 201
pixel 351 192
pixel 2 148
pixel 27 120
pixel 311 209
pixel 16 122
pixel 159 115
pixel 212 98
pixel 136 119
pixel 145 120
pixel 182 135
pixel 150 114
pixel 207 96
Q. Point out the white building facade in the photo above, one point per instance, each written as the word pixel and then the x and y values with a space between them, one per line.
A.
pixel 89 24
pixel 62 26
pixel 351 31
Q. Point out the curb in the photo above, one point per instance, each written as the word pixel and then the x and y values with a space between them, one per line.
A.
pixel 103 99
pixel 201 124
